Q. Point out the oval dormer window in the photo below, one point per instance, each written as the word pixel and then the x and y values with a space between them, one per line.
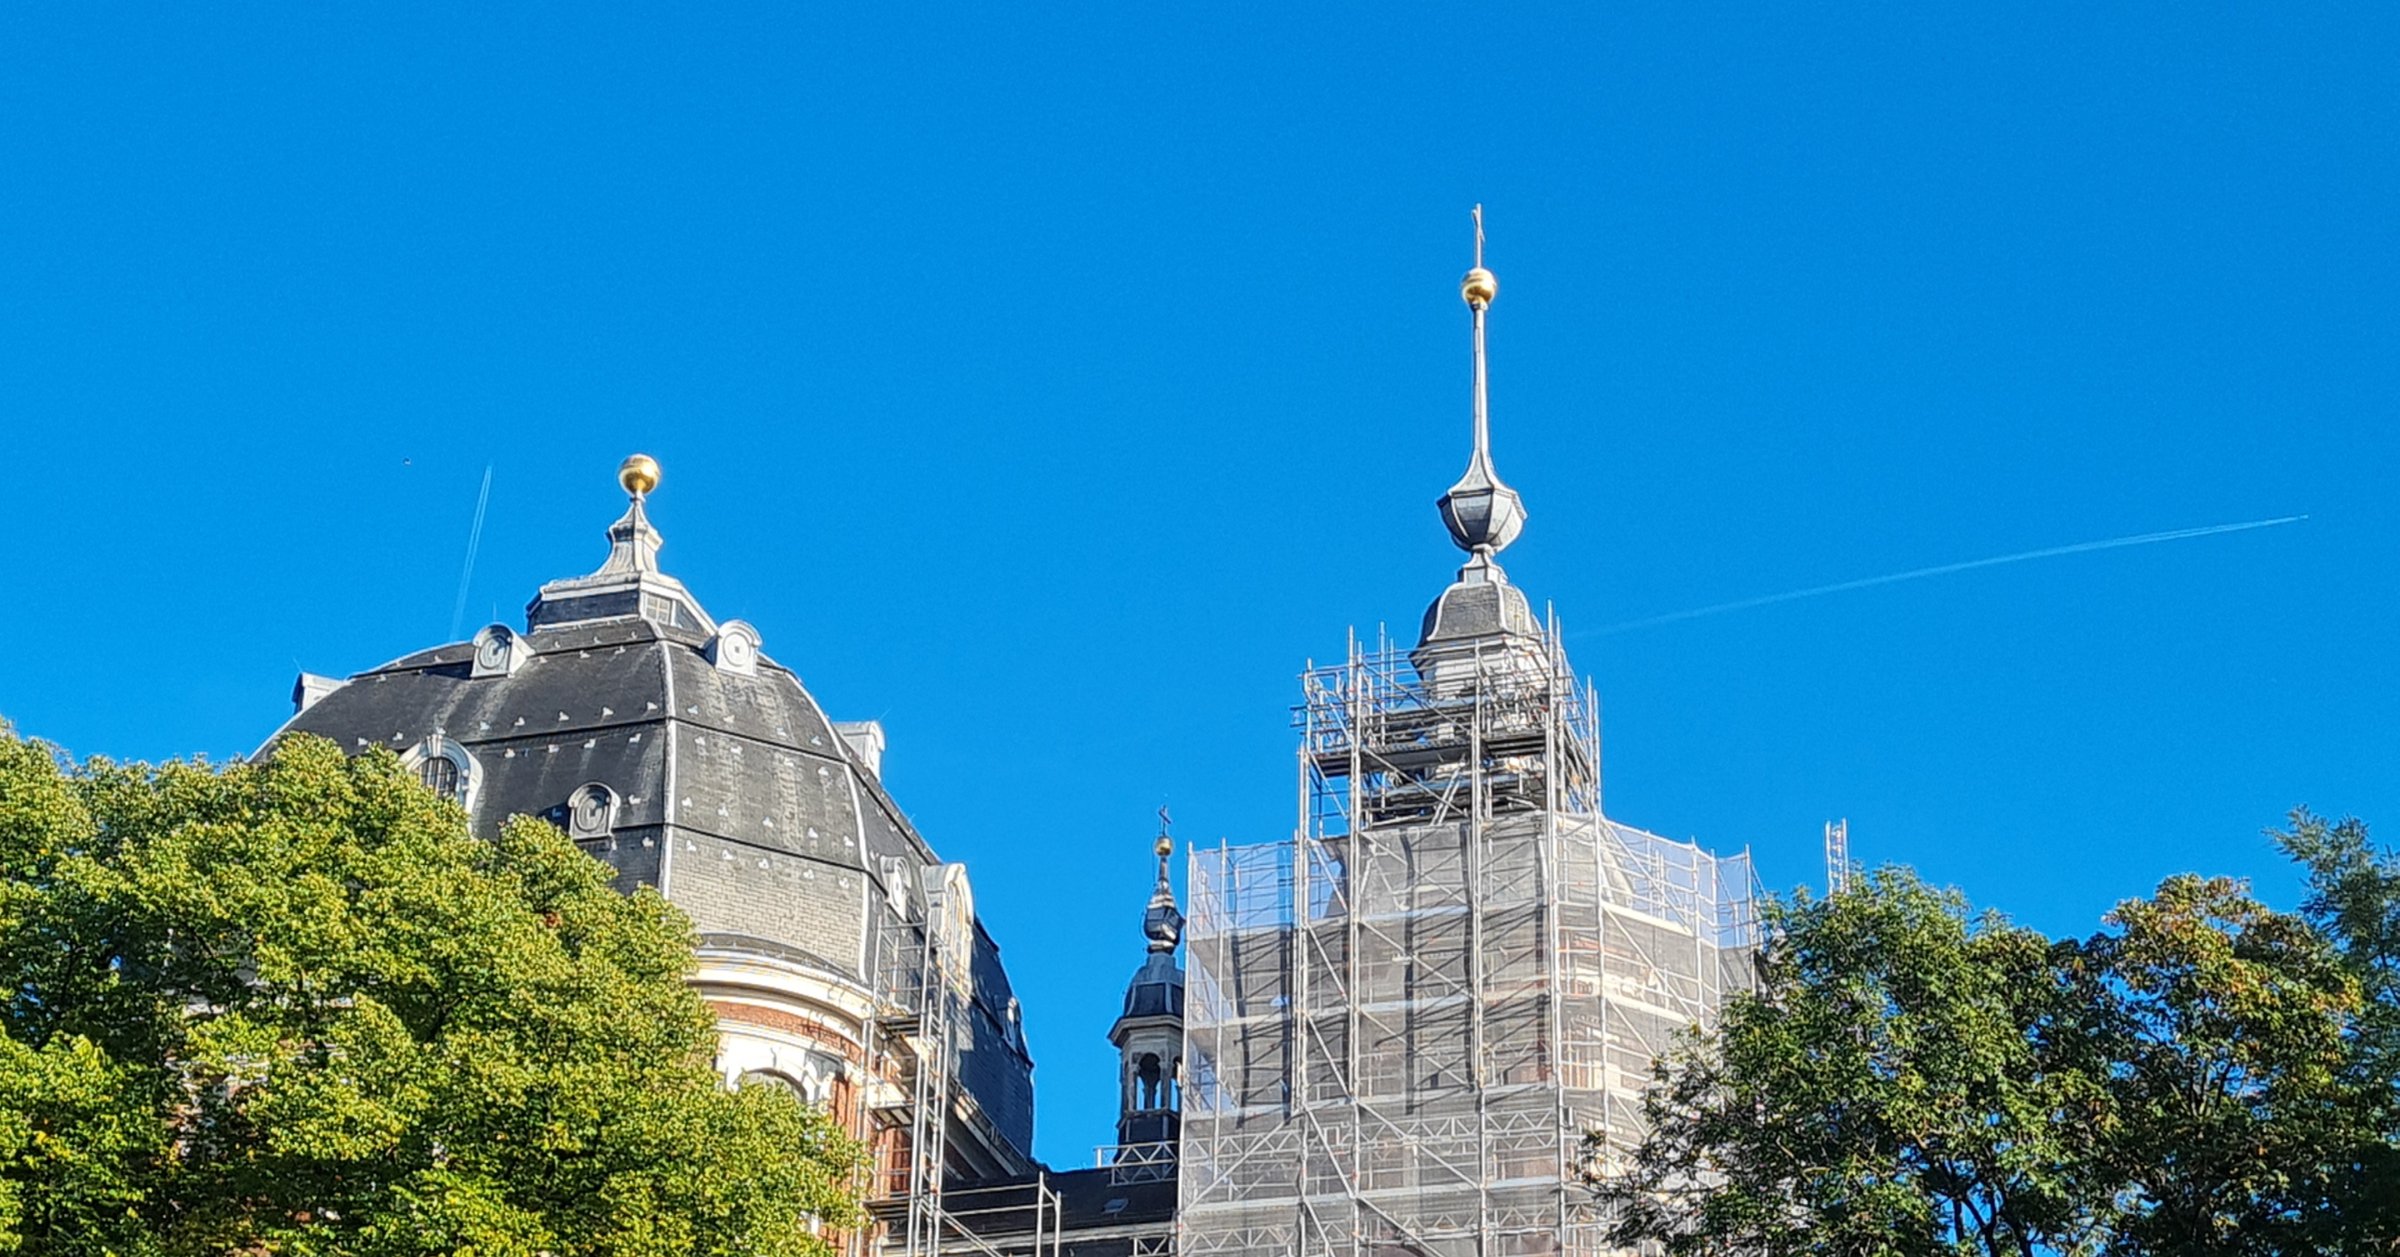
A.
pixel 591 811
pixel 499 652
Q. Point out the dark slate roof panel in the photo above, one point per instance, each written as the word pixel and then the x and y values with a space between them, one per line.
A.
pixel 528 765
pixel 769 706
pixel 533 776
pixel 1089 1199
pixel 734 788
pixel 882 837
pixel 765 795
pixel 633 853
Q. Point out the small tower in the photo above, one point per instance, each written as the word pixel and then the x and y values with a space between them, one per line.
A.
pixel 1418 1023
pixel 1149 1037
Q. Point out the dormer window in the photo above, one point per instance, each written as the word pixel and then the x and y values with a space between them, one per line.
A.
pixel 446 769
pixel 591 811
pixel 734 648
pixel 499 651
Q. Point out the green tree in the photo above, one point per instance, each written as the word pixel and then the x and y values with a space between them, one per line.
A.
pixel 293 1007
pixel 1885 1089
pixel 1908 1078
pixel 2233 1124
pixel 2354 898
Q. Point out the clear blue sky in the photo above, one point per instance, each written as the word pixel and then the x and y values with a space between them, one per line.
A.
pixel 1051 384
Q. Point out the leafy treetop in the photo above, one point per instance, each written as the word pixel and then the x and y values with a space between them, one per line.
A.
pixel 293 1007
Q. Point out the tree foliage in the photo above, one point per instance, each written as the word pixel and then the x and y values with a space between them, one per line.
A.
pixel 293 1007
pixel 2354 899
pixel 2204 1075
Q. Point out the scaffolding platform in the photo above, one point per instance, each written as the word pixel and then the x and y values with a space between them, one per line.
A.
pixel 1403 1022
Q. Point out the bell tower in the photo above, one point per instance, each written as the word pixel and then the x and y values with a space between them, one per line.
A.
pixel 1149 1036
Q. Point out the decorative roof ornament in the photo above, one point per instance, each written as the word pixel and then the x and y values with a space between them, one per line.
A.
pixel 1154 998
pixel 1162 924
pixel 639 474
pixel 632 542
pixel 1483 514
pixel 629 583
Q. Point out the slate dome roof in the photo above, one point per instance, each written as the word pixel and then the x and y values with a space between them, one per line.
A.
pixel 672 747
pixel 637 707
pixel 1156 989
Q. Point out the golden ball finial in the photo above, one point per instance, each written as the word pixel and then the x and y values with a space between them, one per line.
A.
pixel 639 474
pixel 1166 846
pixel 1479 287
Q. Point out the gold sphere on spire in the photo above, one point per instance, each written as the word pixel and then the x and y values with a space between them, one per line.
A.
pixel 639 474
pixel 1479 287
pixel 1166 846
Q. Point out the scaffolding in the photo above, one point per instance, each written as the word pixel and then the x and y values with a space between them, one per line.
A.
pixel 924 983
pixel 1403 1022
pixel 1152 1162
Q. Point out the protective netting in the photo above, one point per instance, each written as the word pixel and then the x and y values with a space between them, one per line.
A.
pixel 1403 1023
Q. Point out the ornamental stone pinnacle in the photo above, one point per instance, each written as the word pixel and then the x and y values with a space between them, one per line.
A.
pixel 629 581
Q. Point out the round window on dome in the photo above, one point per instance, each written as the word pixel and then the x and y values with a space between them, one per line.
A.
pixel 591 811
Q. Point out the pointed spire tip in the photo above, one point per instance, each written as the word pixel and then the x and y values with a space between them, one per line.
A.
pixel 1482 513
pixel 1479 286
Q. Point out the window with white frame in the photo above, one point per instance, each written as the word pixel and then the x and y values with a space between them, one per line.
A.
pixel 446 769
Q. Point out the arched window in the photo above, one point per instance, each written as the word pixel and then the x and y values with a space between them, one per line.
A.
pixel 774 1078
pixel 1146 1072
pixel 446 769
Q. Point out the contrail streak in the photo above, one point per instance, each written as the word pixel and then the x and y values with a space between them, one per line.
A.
pixel 2080 547
pixel 458 610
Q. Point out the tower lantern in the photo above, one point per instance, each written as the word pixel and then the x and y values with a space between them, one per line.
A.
pixel 1149 1036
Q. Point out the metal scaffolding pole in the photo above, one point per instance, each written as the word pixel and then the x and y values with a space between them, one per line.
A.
pixel 924 989
pixel 1497 961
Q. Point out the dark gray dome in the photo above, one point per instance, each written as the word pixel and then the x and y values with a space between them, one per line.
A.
pixel 1156 989
pixel 669 746
pixel 1481 603
pixel 735 769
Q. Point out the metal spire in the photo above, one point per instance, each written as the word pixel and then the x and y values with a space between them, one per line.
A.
pixel 1479 299
pixel 1483 514
pixel 1162 924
